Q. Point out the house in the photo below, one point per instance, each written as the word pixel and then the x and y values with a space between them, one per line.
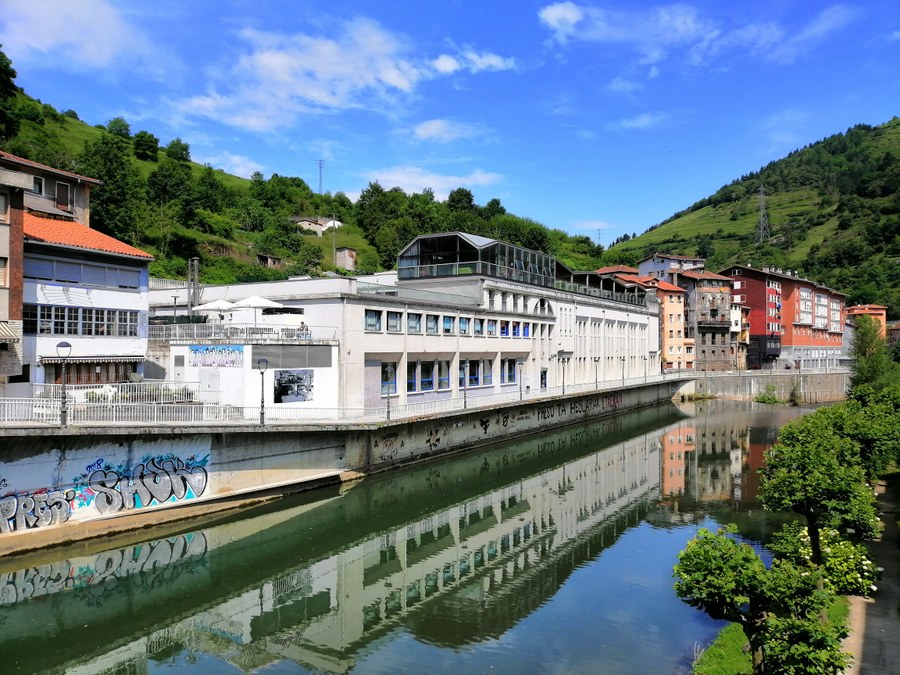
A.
pixel 345 258
pixel 794 322
pixel 317 224
pixel 462 316
pixel 80 295
pixel 877 312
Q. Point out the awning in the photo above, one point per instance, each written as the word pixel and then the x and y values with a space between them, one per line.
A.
pixel 7 334
pixel 93 359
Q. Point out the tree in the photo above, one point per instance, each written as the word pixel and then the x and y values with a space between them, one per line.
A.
pixel 728 581
pixel 872 364
pixel 815 472
pixel 114 203
pixel 461 199
pixel 9 123
pixel 178 150
pixel 146 146
pixel 171 180
pixel 117 126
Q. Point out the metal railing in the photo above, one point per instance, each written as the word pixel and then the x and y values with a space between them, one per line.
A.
pixel 148 391
pixel 242 333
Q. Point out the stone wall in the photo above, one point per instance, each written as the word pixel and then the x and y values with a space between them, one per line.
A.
pixel 809 387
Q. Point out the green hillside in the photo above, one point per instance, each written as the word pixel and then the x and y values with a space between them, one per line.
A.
pixel 833 209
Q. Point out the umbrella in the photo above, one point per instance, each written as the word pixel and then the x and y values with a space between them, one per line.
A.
pixel 257 302
pixel 216 305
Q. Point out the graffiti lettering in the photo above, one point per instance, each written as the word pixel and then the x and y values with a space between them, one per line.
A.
pixel 161 481
pixel 434 438
pixel 3 483
pixel 546 413
pixel 485 424
pixel 156 557
pixel 93 467
pixel 22 512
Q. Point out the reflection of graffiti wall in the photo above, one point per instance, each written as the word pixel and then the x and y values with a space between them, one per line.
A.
pixel 216 356
pixel 293 386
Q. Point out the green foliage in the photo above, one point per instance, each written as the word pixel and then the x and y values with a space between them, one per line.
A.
pixel 114 203
pixel 804 645
pixel 146 146
pixel 117 126
pixel 727 580
pixel 178 150
pixel 768 395
pixel 846 566
pixel 726 655
pixel 872 364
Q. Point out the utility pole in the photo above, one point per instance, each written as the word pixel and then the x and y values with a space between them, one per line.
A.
pixel 762 225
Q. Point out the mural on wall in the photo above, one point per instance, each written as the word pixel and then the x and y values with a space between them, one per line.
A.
pixel 293 386
pixel 216 356
pixel 100 479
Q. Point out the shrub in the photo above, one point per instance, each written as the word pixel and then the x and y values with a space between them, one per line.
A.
pixel 768 395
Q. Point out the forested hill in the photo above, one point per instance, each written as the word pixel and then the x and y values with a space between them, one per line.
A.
pixel 155 197
pixel 833 209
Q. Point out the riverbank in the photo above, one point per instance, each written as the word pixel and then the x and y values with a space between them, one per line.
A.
pixel 874 638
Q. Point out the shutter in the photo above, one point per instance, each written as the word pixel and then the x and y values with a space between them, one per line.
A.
pixel 4 204
pixel 63 197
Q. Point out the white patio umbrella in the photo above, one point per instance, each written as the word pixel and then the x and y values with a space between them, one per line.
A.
pixel 216 305
pixel 257 302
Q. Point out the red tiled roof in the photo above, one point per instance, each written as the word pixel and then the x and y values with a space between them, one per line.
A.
pixel 629 278
pixel 76 235
pixel 704 274
pixel 612 269
pixel 43 167
pixel 661 284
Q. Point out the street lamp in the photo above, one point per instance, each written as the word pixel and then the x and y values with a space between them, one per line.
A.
pixel 389 371
pixel 174 308
pixel 564 362
pixel 520 368
pixel 623 370
pixel 596 370
pixel 63 351
pixel 262 364
pixel 465 384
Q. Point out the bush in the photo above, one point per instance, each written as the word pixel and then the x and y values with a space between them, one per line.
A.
pixel 845 565
pixel 768 396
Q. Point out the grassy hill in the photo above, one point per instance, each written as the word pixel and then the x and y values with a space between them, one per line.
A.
pixel 833 209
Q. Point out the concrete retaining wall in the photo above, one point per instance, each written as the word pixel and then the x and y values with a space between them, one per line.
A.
pixel 77 484
pixel 809 387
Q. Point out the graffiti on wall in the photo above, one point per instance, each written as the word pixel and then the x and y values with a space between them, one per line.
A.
pixel 150 563
pixel 28 511
pixel 159 480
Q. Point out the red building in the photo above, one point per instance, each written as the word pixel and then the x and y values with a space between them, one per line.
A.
pixel 794 322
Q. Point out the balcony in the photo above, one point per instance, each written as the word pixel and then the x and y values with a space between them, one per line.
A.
pixel 713 321
pixel 242 333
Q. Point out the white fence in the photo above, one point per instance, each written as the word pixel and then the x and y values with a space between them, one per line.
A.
pixel 149 391
pixel 247 333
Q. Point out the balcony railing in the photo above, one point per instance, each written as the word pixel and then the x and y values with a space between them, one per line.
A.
pixel 242 333
pixel 149 391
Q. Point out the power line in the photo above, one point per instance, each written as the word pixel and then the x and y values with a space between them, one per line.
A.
pixel 762 225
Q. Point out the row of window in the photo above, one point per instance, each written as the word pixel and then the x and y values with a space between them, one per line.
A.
pixel 445 325
pixel 63 193
pixel 52 320
pixel 82 273
pixel 422 376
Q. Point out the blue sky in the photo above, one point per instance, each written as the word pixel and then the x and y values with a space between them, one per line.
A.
pixel 596 118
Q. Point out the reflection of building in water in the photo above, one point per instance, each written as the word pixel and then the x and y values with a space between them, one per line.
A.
pixel 482 564
pixel 676 442
pixel 718 458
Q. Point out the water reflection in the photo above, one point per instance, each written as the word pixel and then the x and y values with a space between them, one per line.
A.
pixel 459 554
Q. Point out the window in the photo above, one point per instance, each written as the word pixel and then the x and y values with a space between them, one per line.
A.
pixel 443 368
pixel 4 205
pixel 449 324
pixel 427 376
pixel 373 319
pixel 736 272
pixel 395 322
pixel 508 369
pixel 472 367
pixel 464 325
pixel 38 186
pixel 526 329
pixel 479 326
pixel 413 323
pixel 431 323
pixel 388 379
pixel 63 196
pixel 515 329
pixel 487 371
pixel 492 327
pixel 504 328
pixel 671 333
pixel 411 376
pixel 689 350
pixel 3 265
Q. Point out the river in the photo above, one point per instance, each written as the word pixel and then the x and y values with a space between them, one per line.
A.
pixel 549 554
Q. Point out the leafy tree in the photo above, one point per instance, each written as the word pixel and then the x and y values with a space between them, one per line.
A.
pixel 210 191
pixel 815 472
pixel 146 146
pixel 9 123
pixel 171 180
pixel 71 114
pixel 461 199
pixel 116 202
pixel 872 363
pixel 728 581
pixel 178 150
pixel 117 126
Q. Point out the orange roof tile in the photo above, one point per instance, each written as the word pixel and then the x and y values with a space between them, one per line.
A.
pixel 704 274
pixel 616 268
pixel 36 165
pixel 76 235
pixel 661 284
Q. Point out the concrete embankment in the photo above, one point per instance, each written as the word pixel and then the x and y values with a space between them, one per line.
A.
pixel 811 387
pixel 65 485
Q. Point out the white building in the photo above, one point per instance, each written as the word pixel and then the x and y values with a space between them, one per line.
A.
pixel 463 315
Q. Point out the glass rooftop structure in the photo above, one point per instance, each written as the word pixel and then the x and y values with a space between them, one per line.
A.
pixel 454 254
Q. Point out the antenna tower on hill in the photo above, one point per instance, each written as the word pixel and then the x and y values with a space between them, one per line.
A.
pixel 762 225
pixel 321 165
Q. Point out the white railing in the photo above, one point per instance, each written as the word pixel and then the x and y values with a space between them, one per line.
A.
pixel 148 391
pixel 241 333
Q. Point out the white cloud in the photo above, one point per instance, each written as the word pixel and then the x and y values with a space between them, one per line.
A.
pixel 591 228
pixel 643 121
pixel 894 36
pixel 442 131
pixel 783 131
pixel 656 33
pixel 359 64
pixel 622 85
pixel 90 34
pixel 416 179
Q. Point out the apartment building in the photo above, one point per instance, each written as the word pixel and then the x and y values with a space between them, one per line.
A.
pixel 794 322
pixel 877 312
pixel 78 295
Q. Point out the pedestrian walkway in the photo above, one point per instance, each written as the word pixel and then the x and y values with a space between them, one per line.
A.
pixel 874 638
